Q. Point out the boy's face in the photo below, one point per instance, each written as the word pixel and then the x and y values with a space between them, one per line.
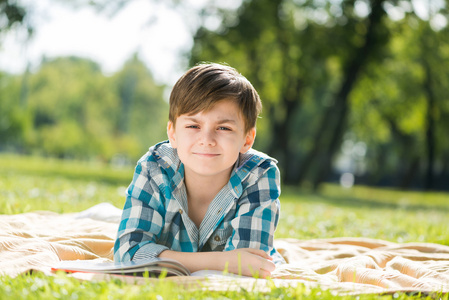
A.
pixel 209 143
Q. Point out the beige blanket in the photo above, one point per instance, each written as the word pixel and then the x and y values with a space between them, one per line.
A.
pixel 36 241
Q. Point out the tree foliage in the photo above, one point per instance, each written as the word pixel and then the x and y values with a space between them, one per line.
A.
pixel 11 13
pixel 69 108
pixel 347 86
pixel 352 86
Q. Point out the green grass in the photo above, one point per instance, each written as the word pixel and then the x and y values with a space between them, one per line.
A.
pixel 30 183
pixel 33 183
pixel 61 286
pixel 391 215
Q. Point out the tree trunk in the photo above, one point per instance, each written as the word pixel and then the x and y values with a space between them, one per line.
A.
pixel 430 130
pixel 280 138
pixel 289 102
pixel 408 166
pixel 352 72
pixel 320 143
pixel 24 88
pixel 430 115
pixel 410 172
pixel 126 92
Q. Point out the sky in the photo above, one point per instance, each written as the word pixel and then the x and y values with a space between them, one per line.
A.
pixel 158 34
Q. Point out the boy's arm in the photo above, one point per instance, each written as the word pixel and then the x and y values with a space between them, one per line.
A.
pixel 142 219
pixel 247 262
pixel 257 214
pixel 249 248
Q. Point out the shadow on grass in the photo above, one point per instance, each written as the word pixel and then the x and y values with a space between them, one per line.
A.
pixel 369 203
pixel 365 203
pixel 11 164
pixel 113 178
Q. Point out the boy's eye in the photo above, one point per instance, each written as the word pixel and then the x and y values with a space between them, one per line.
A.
pixel 224 128
pixel 193 126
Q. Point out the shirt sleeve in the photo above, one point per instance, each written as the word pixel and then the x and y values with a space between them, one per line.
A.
pixel 257 213
pixel 142 219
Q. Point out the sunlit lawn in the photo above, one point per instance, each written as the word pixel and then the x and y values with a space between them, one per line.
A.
pixel 391 215
pixel 28 184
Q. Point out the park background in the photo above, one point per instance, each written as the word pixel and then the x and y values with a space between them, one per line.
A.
pixel 355 110
pixel 354 92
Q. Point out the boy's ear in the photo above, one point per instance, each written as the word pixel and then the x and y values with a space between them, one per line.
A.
pixel 171 133
pixel 249 140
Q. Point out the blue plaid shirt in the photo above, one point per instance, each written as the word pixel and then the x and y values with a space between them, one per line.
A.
pixel 244 214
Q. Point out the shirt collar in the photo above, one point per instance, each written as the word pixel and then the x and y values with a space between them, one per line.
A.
pixel 168 159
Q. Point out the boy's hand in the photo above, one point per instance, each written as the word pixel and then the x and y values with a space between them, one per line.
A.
pixel 249 262
pixel 243 261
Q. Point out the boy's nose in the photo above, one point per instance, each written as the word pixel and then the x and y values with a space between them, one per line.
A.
pixel 208 138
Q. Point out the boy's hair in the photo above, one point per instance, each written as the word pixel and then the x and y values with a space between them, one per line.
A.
pixel 204 85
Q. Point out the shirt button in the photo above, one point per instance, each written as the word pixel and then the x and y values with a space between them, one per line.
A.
pixel 180 211
pixel 217 238
pixel 219 211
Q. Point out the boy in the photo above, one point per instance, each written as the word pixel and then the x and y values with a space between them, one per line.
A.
pixel 205 198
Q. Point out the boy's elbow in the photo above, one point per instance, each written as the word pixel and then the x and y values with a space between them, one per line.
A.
pixel 120 255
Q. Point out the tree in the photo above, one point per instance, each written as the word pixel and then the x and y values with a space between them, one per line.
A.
pixel 62 100
pixel 143 113
pixel 14 124
pixel 72 110
pixel 12 14
pixel 309 60
pixel 268 54
pixel 398 108
pixel 298 59
pixel 372 40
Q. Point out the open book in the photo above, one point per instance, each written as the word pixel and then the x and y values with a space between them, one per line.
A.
pixel 154 267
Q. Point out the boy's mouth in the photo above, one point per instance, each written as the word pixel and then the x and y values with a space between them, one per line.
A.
pixel 206 154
